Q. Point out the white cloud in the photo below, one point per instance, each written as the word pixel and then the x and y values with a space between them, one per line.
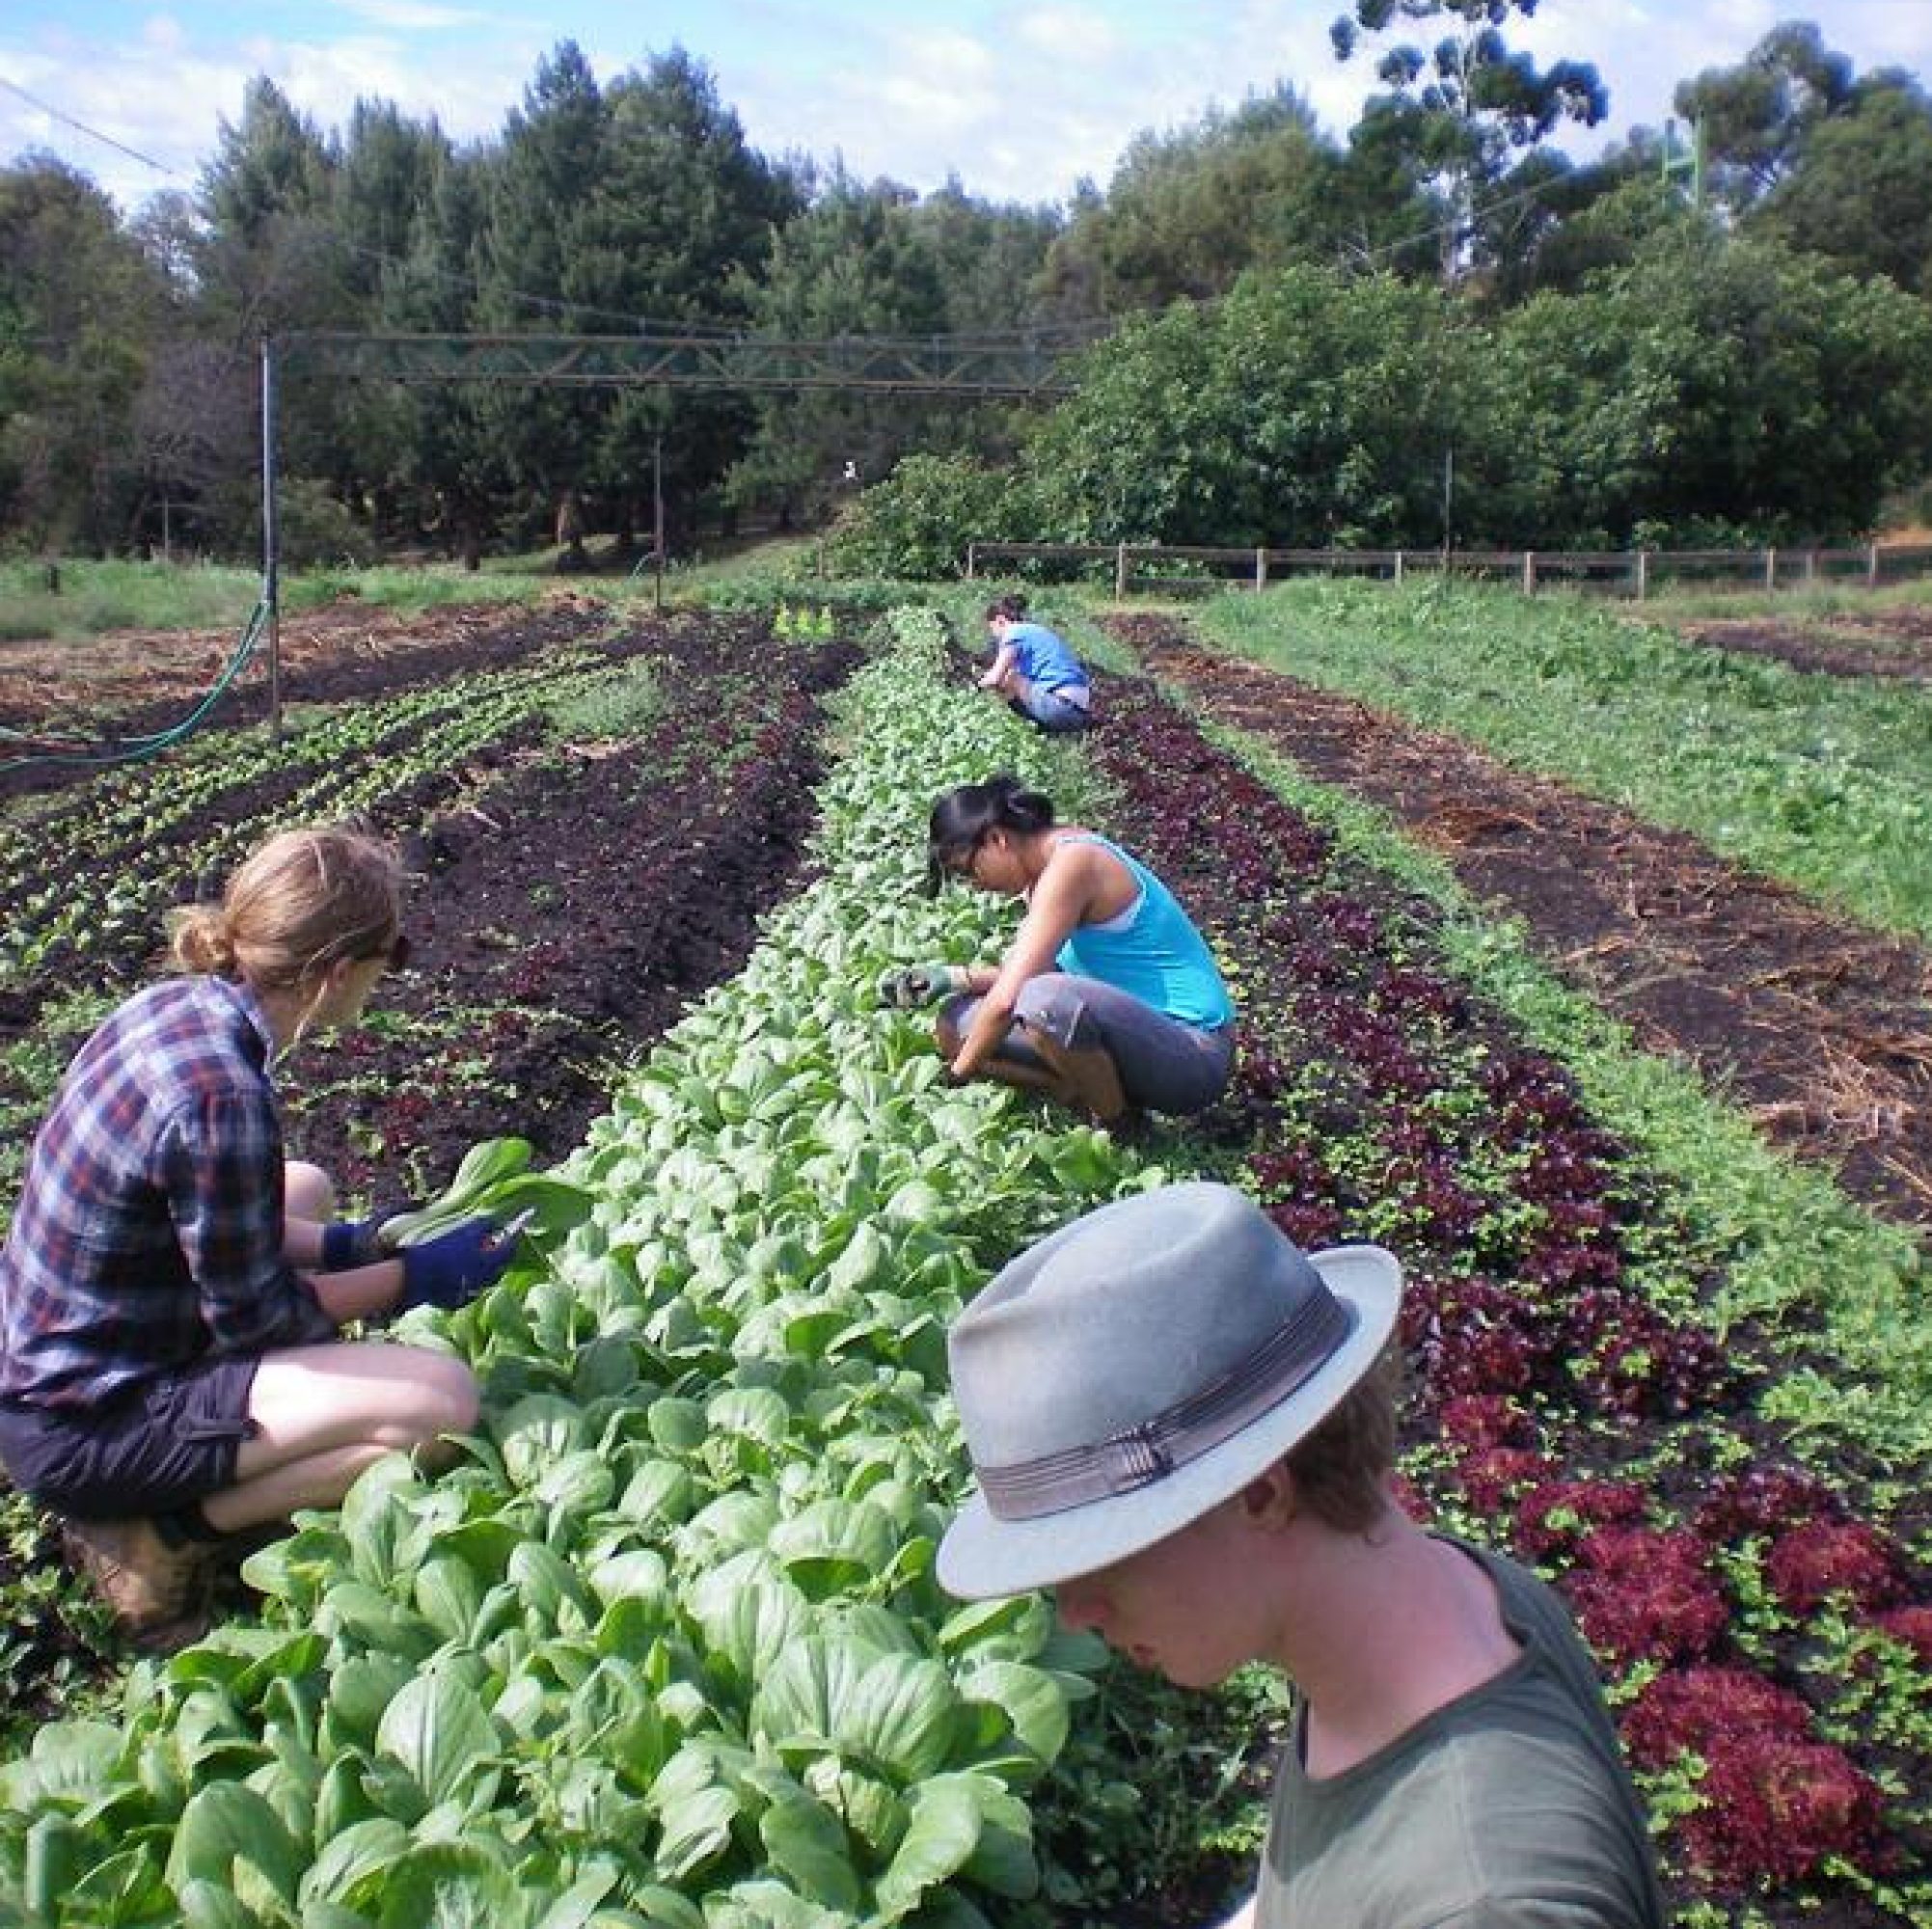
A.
pixel 1067 33
pixel 1018 99
pixel 408 16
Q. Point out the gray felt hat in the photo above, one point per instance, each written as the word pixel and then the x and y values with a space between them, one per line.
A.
pixel 1137 1367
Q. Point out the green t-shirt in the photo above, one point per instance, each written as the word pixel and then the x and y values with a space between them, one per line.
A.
pixel 1508 1809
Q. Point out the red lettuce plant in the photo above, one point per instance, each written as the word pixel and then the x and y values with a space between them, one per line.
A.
pixel 1775 1809
pixel 1645 1594
pixel 1691 1710
pixel 1554 1518
pixel 1807 1565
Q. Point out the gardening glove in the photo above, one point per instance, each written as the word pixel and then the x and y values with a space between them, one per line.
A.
pixel 347 1243
pixel 450 1269
pixel 917 985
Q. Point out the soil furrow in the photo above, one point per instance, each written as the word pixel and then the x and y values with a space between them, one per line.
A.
pixel 1820 1029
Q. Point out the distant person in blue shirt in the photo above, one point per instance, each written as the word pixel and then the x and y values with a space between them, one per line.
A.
pixel 1108 1000
pixel 1034 670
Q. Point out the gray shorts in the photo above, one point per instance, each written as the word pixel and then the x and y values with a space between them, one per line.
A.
pixel 1164 1065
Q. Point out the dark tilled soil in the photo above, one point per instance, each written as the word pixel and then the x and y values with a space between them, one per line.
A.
pixel 584 902
pixel 77 700
pixel 1820 1029
pixel 579 900
pixel 1888 643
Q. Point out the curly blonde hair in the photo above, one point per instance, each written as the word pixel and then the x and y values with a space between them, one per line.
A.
pixel 298 903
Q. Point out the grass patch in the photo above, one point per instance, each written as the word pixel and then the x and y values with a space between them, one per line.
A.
pixel 1819 782
pixel 94 597
pixel 625 705
pixel 1819 603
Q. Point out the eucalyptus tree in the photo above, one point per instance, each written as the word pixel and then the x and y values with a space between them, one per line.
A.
pixel 1754 118
pixel 1466 111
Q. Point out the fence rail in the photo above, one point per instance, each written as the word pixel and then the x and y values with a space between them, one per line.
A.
pixel 1175 568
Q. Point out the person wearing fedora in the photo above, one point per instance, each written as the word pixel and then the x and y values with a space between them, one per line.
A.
pixel 1186 1427
pixel 1108 1000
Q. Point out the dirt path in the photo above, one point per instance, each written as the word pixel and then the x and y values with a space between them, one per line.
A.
pixel 1819 1029
pixel 1879 642
pixel 61 695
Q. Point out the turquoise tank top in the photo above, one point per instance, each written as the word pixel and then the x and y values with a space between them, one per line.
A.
pixel 1151 951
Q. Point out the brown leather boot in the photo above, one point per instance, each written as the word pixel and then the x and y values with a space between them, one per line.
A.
pixel 157 1594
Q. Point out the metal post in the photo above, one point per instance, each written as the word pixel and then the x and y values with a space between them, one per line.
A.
pixel 271 542
pixel 1119 573
pixel 972 553
pixel 1261 569
pixel 1643 574
pixel 658 512
pixel 1771 569
pixel 1872 566
pixel 1529 572
pixel 1398 566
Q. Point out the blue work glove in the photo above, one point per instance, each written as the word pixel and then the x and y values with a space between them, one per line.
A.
pixel 347 1243
pixel 450 1269
pixel 919 985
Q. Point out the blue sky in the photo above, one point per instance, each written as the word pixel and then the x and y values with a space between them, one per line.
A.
pixel 1018 100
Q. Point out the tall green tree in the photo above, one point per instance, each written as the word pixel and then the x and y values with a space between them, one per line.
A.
pixel 1859 194
pixel 989 256
pixel 1463 112
pixel 1188 212
pixel 1309 406
pixel 611 211
pixel 684 219
pixel 450 476
pixel 81 310
pixel 1713 383
pixel 1755 117
pixel 271 259
pixel 853 264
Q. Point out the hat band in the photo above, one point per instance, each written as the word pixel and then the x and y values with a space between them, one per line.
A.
pixel 1155 1446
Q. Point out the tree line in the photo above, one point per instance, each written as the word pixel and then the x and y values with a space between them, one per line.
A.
pixel 1437 328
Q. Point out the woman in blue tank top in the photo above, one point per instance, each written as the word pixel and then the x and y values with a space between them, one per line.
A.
pixel 1108 1000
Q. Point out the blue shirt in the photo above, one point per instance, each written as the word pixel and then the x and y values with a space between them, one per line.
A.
pixel 1151 951
pixel 149 1227
pixel 1042 658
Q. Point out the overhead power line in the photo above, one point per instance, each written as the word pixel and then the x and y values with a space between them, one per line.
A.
pixel 81 128
pixel 552 305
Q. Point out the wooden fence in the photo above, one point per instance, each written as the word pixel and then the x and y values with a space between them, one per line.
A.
pixel 1175 568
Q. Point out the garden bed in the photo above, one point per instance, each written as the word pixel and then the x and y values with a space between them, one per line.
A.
pixel 1815 1026
pixel 1757 1598
pixel 1870 643
pixel 567 898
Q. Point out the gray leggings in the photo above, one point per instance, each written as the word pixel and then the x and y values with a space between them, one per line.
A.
pixel 1164 1065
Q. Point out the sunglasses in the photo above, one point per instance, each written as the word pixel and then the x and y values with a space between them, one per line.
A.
pixel 958 863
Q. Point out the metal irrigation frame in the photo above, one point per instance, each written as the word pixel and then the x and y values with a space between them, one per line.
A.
pixel 1022 365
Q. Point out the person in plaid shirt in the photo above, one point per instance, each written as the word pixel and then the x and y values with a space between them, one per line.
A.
pixel 172 1289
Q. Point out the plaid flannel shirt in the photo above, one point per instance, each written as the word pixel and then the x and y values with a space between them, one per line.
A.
pixel 150 1229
